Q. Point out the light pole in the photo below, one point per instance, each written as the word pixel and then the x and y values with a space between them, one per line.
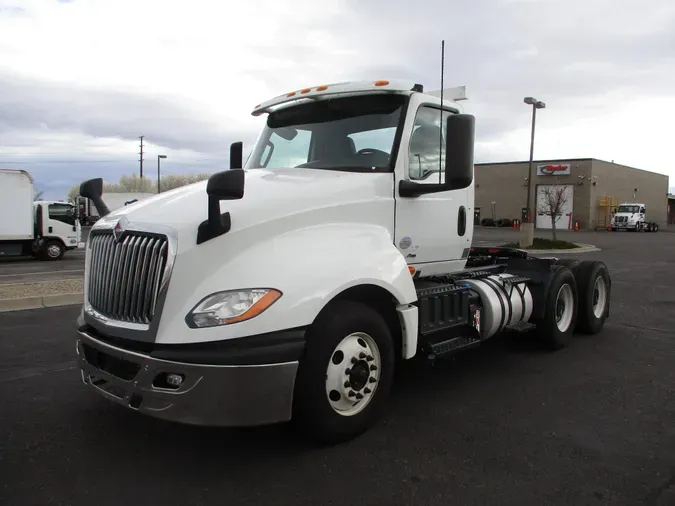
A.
pixel 536 104
pixel 159 157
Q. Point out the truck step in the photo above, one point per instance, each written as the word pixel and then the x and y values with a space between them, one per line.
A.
pixel 521 327
pixel 453 345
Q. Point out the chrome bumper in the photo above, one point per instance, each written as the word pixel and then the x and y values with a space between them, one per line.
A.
pixel 213 395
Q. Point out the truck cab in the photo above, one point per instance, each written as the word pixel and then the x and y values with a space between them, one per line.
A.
pixel 57 229
pixel 632 217
pixel 289 287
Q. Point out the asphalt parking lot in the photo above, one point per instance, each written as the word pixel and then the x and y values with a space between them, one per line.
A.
pixel 506 424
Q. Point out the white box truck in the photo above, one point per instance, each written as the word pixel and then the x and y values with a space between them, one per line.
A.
pixel 291 288
pixel 42 229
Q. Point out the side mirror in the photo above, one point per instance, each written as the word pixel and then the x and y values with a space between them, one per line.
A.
pixel 93 189
pixel 225 185
pixel 459 139
pixel 459 142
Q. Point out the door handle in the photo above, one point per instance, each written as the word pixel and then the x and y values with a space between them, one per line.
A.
pixel 461 221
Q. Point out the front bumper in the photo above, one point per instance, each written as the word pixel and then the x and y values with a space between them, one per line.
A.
pixel 213 395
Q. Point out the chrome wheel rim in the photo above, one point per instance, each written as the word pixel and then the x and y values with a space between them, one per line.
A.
pixel 599 297
pixel 353 374
pixel 564 307
pixel 53 251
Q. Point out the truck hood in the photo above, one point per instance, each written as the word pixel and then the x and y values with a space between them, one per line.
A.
pixel 268 195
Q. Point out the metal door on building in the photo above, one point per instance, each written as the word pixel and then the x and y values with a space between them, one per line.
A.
pixel 564 216
pixel 476 216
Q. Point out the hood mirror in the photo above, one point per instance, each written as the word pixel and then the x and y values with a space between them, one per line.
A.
pixel 225 185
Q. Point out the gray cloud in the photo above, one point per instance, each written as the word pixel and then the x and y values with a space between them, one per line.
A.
pixel 581 57
pixel 28 104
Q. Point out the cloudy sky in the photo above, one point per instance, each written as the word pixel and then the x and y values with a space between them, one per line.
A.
pixel 80 80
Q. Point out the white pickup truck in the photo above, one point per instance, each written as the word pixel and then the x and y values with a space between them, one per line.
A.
pixel 631 216
pixel 291 289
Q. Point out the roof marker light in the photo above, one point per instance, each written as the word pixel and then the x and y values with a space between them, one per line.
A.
pixel 306 90
pixel 381 83
pixel 322 88
pixel 291 94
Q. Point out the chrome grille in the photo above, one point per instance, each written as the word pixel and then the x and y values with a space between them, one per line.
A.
pixel 125 276
pixel 621 219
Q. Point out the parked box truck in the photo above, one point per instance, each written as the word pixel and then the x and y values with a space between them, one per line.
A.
pixel 43 229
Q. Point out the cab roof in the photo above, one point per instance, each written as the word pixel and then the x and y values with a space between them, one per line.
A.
pixel 351 88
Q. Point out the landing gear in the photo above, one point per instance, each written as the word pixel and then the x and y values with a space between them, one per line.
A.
pixel 346 373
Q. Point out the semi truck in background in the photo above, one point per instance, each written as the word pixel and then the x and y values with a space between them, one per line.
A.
pixel 88 213
pixel 292 287
pixel 43 229
pixel 631 216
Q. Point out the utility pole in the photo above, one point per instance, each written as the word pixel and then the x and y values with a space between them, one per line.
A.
pixel 141 159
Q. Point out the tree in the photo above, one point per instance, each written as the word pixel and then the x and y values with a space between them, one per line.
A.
pixel 554 198
pixel 38 195
pixel 135 184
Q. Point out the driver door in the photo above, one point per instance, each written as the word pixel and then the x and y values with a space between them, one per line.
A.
pixel 432 230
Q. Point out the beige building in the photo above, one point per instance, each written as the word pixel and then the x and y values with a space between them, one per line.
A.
pixel 591 189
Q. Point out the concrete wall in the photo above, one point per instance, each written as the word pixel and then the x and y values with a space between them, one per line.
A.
pixel 619 181
pixel 504 183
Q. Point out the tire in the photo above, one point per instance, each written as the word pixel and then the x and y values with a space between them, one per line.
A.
pixel 655 227
pixel 334 349
pixel 53 250
pixel 594 286
pixel 562 288
pixel 571 263
pixel 648 227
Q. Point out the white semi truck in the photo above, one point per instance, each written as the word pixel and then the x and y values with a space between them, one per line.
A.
pixel 292 289
pixel 42 229
pixel 631 216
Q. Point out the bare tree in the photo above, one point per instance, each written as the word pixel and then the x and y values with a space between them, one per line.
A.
pixel 554 198
pixel 38 195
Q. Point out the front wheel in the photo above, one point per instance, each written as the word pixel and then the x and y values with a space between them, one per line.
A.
pixel 346 373
pixel 53 250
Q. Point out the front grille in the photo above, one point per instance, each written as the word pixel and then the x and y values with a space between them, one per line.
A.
pixel 125 277
pixel 620 219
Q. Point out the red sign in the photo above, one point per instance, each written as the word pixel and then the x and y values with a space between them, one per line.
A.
pixel 554 170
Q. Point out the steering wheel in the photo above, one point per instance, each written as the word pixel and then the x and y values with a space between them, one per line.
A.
pixel 370 151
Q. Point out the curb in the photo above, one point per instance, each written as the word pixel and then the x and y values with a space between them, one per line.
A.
pixel 65 299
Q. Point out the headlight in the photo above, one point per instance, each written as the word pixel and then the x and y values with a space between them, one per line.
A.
pixel 231 306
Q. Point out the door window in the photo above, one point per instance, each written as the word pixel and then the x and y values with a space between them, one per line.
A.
pixel 63 213
pixel 426 151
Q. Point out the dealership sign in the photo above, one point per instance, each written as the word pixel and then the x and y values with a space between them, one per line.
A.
pixel 554 170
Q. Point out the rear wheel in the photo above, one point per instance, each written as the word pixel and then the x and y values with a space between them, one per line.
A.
pixel 346 373
pixel 594 293
pixel 560 314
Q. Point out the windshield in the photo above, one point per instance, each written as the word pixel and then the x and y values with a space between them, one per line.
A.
pixel 355 134
pixel 629 209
